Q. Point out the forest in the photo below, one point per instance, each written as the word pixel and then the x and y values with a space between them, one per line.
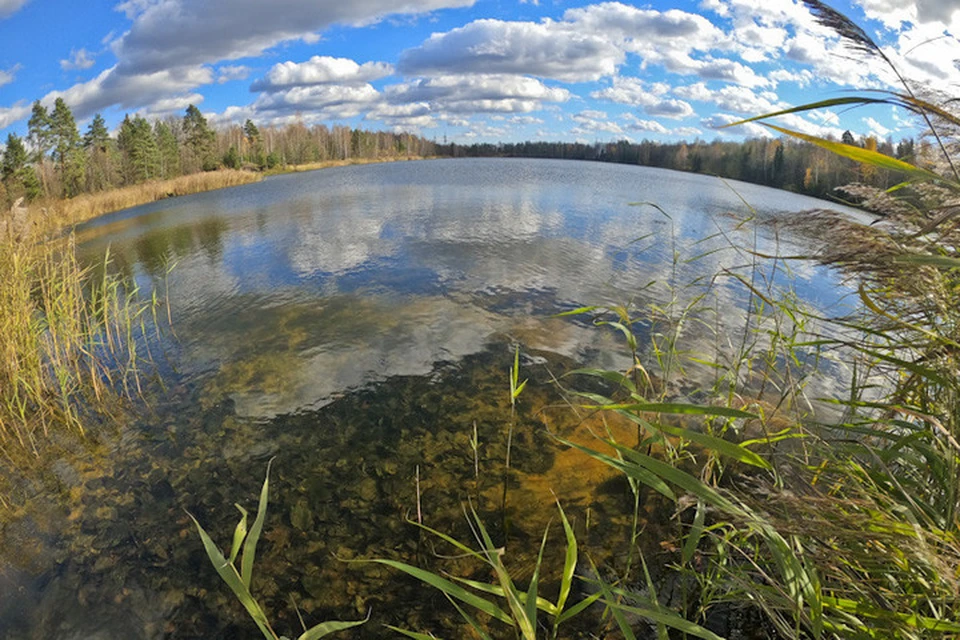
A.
pixel 782 163
pixel 55 161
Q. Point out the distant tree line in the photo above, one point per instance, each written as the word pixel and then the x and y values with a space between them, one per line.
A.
pixel 55 161
pixel 782 163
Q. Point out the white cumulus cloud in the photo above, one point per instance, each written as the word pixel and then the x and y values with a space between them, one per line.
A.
pixel 79 60
pixel 548 49
pixel 321 70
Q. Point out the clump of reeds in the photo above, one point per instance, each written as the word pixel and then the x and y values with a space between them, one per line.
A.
pixel 854 530
pixel 71 337
pixel 68 339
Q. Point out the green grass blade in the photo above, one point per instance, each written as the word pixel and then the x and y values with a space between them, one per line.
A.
pixel 494 589
pixel 238 534
pixel 617 378
pixel 470 620
pixel 667 618
pixel 569 563
pixel 453 541
pixel 577 608
pixel 228 573
pixel 682 479
pixel 678 408
pixel 250 546
pixel 608 598
pixel 643 475
pixel 934 261
pixel 627 333
pixel 331 626
pixel 861 155
pixel 718 445
pixel 449 588
pixel 576 312
pixel 822 104
pixel 531 603
pixel 911 620
pixel 696 531
pixel 412 634
pixel 654 599
pixel 519 389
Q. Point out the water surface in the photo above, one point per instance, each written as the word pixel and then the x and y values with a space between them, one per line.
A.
pixel 357 324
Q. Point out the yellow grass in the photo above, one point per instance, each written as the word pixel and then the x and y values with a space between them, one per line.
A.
pixel 328 164
pixel 75 210
pixel 67 334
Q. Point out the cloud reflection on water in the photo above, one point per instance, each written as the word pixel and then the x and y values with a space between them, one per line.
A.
pixel 296 290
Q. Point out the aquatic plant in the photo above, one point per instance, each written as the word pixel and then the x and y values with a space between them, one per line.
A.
pixel 71 339
pixel 240 581
pixel 847 527
pixel 522 607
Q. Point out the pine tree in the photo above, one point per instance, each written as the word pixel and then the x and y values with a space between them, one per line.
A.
pixel 255 154
pixel 141 155
pixel 65 139
pixel 38 128
pixel 169 149
pixel 19 178
pixel 97 136
pixel 15 156
pixel 199 139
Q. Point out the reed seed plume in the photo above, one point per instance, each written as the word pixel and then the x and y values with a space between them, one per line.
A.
pixel 843 26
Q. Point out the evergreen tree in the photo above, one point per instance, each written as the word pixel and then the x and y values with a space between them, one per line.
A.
pixel 199 139
pixel 65 139
pixel 169 149
pixel 97 136
pixel 38 130
pixel 15 156
pixel 102 158
pixel 231 159
pixel 255 154
pixel 141 155
pixel 19 178
pixel 251 131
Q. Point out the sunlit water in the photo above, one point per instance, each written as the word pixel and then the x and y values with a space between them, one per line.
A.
pixel 356 324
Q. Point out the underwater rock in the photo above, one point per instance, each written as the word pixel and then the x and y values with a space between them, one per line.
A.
pixel 301 517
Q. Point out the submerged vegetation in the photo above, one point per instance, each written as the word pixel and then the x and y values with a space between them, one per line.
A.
pixel 736 502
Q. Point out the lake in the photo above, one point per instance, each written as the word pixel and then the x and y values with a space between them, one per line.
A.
pixel 357 325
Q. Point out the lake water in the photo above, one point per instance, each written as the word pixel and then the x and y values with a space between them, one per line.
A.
pixel 358 324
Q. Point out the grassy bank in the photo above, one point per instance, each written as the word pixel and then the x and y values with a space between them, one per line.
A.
pixel 65 213
pixel 328 164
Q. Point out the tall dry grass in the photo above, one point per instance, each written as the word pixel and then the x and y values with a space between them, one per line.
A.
pixel 71 336
pixel 329 164
pixel 68 341
pixel 90 205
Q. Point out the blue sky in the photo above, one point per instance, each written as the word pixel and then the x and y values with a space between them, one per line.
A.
pixel 469 70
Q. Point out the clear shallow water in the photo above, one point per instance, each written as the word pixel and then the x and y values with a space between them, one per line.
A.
pixel 356 323
pixel 348 276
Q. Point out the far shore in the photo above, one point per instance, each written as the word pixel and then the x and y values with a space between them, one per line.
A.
pixel 58 214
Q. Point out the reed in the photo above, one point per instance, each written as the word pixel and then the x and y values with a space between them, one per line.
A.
pixel 69 340
pixel 65 213
pixel 330 164
pixel 830 529
pixel 243 550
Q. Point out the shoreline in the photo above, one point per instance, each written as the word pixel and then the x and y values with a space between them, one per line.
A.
pixel 55 215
